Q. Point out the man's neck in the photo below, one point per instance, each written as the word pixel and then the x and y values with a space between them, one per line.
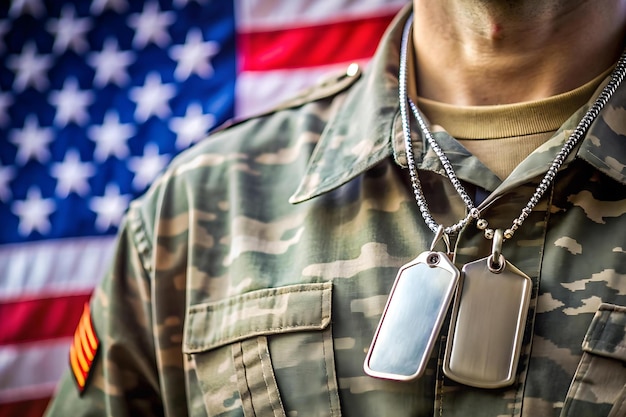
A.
pixel 482 52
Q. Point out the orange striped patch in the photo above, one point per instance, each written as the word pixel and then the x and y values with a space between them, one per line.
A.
pixel 83 349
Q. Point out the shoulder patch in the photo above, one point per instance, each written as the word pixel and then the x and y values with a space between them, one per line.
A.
pixel 83 349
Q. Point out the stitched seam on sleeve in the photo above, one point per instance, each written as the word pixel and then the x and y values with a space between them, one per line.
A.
pixel 141 237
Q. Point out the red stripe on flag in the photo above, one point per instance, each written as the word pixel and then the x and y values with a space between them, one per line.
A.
pixel 311 46
pixel 41 319
pixel 26 408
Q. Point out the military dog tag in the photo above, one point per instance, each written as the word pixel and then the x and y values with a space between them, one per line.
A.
pixel 488 321
pixel 412 318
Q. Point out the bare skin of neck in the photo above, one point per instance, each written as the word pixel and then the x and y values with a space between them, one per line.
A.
pixel 484 52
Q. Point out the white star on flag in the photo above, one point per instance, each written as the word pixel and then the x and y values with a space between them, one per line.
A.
pixel 148 166
pixel 111 137
pixel 192 127
pixel 72 174
pixel 71 103
pixel 111 64
pixel 31 69
pixel 152 98
pixel 31 141
pixel 33 212
pixel 110 207
pixel 193 56
pixel 151 26
pixel 69 31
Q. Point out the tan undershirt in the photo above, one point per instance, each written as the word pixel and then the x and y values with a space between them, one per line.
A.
pixel 501 136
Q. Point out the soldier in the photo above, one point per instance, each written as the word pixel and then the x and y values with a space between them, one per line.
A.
pixel 479 163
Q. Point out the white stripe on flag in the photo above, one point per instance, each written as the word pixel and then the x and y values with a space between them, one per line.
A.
pixel 29 371
pixel 255 15
pixel 52 267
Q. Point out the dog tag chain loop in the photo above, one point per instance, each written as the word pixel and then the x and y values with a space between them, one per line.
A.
pixel 491 303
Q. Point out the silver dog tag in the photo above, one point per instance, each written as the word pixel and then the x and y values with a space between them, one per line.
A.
pixel 411 321
pixel 488 321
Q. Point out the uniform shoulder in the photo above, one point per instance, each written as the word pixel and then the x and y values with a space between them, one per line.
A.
pixel 331 85
pixel 280 125
pixel 274 132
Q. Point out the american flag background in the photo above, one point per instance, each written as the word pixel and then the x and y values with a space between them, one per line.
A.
pixel 96 97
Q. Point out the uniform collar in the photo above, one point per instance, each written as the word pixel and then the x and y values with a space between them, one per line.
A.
pixel 604 146
pixel 367 129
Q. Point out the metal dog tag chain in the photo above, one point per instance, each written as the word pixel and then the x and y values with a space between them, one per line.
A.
pixel 413 315
pixel 488 321
pixel 491 305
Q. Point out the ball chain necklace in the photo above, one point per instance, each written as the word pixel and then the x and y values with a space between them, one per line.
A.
pixel 485 336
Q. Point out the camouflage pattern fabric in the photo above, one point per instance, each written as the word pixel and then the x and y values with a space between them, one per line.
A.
pixel 250 279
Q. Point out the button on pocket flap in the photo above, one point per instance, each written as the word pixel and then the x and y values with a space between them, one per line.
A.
pixel 607 333
pixel 262 312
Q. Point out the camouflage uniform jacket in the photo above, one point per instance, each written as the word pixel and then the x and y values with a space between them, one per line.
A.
pixel 250 278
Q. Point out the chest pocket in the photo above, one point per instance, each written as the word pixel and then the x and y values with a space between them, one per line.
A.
pixel 266 353
pixel 599 386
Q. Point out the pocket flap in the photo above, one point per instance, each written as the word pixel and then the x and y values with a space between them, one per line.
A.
pixel 262 312
pixel 606 335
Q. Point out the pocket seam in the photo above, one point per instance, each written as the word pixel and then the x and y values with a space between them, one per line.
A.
pixel 594 342
pixel 319 293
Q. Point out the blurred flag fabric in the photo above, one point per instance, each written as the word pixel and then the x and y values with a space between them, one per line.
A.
pixel 96 97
